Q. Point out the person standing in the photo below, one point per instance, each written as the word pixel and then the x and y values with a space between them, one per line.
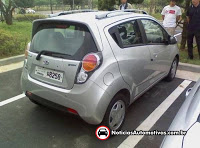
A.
pixel 171 15
pixel 125 5
pixel 193 18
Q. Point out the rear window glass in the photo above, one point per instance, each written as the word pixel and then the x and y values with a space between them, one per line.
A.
pixel 71 41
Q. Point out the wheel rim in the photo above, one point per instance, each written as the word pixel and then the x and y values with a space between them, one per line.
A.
pixel 173 70
pixel 117 115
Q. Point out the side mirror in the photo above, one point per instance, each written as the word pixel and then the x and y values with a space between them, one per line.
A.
pixel 172 40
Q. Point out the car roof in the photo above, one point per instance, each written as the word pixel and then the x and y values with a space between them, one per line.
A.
pixel 88 17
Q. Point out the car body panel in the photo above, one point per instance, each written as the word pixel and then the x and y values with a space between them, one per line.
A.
pixel 108 76
pixel 138 65
pixel 192 137
pixel 185 118
pixel 132 61
pixel 161 63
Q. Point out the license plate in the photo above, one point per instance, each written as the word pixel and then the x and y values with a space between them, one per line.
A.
pixel 49 74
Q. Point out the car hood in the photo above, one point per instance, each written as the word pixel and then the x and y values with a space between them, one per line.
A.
pixel 185 118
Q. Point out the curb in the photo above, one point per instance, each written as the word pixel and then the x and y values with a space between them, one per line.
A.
pixel 189 67
pixel 11 60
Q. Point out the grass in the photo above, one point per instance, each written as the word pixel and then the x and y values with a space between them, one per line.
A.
pixel 158 16
pixel 20 28
pixel 184 57
pixel 21 31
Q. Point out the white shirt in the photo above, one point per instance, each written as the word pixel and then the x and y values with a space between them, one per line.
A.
pixel 123 6
pixel 170 14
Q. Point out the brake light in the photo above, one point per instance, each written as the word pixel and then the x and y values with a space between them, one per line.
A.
pixel 27 49
pixel 62 26
pixel 90 62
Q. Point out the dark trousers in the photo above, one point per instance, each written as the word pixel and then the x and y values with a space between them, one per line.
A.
pixel 190 39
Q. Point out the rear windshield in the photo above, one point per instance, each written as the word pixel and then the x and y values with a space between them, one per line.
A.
pixel 71 41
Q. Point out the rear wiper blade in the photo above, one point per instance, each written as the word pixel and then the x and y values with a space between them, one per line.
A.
pixel 48 52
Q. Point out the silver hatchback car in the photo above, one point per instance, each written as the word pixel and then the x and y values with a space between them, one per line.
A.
pixel 95 64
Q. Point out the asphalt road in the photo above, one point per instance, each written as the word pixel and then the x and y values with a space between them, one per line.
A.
pixel 24 124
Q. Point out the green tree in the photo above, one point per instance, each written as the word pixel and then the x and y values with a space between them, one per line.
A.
pixel 106 4
pixel 70 2
pixel 185 24
pixel 136 1
pixel 24 3
pixel 95 3
pixel 109 4
pixel 41 2
pixel 7 10
pixel 9 6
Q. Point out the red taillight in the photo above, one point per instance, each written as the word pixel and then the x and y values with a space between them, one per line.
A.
pixel 72 111
pixel 90 62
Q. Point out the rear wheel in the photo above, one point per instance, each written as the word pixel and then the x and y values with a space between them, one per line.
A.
pixel 116 112
pixel 172 72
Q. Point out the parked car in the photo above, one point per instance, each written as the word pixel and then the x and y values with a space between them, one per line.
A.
pixel 187 119
pixel 29 10
pixel 95 64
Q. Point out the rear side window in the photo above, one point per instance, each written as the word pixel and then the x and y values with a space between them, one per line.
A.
pixel 130 34
pixel 74 41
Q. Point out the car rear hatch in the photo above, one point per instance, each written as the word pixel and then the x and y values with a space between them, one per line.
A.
pixel 56 51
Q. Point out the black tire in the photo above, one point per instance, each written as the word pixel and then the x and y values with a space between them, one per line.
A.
pixel 171 74
pixel 118 97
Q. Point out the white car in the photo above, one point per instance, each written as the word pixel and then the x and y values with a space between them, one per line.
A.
pixel 29 10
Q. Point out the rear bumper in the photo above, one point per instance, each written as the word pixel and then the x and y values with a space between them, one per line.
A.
pixel 89 100
pixel 42 101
